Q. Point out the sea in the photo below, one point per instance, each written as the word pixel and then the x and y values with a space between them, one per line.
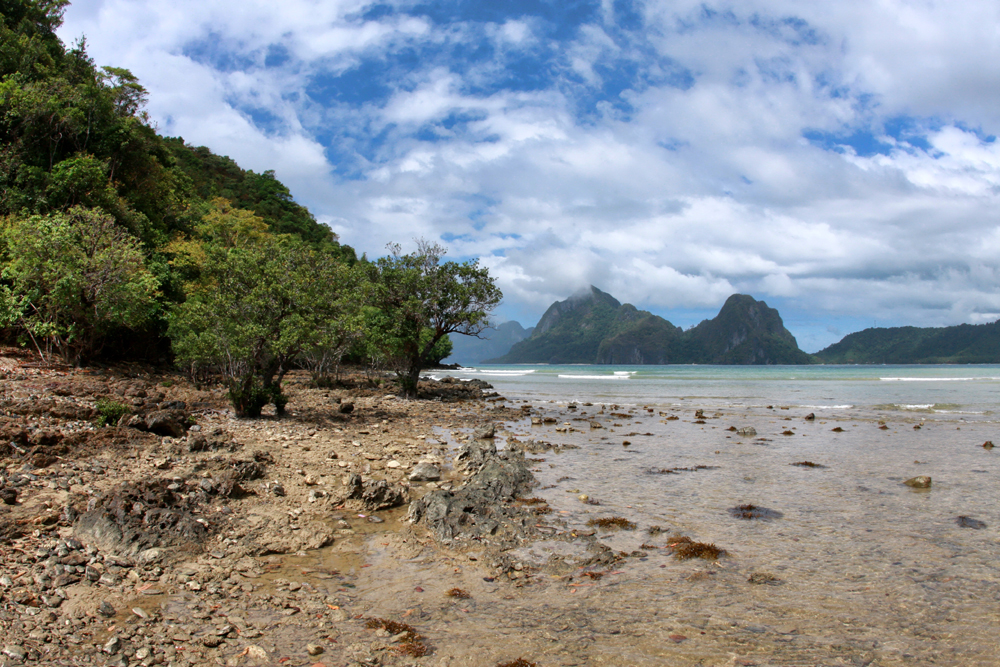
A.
pixel 972 391
pixel 844 564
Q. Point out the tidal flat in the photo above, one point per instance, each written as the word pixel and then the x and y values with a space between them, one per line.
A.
pixel 847 566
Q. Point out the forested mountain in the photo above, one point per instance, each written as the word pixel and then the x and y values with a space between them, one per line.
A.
pixel 595 328
pixel 961 344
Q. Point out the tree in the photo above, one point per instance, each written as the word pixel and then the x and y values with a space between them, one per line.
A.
pixel 73 277
pixel 257 303
pixel 420 300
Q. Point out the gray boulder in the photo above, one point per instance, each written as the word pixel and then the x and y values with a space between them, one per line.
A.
pixel 425 472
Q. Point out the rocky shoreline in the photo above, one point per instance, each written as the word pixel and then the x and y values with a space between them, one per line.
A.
pixel 161 538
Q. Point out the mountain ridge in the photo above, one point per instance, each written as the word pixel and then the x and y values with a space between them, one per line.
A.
pixel 595 328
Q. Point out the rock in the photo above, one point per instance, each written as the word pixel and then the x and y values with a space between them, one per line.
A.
pixel 15 652
pixel 277 489
pixel 810 417
pixel 149 556
pixel 474 454
pixel 134 517
pixel 197 443
pixel 487 432
pixel 919 482
pixel 969 522
pixel 374 494
pixel 166 422
pixel 536 421
pixel 748 431
pixel 314 649
pixel 483 506
pixel 346 408
pixel 393 464
pixel 255 652
pixel 595 425
pixel 8 495
pixel 425 472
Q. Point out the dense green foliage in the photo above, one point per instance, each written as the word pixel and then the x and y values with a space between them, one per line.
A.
pixel 257 302
pixel 570 331
pixel 961 344
pixel 108 231
pixel 595 328
pixel 419 300
pixel 73 277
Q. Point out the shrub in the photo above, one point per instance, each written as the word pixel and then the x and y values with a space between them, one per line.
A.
pixel 110 412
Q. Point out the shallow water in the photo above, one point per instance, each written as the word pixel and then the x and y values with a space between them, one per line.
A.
pixel 868 571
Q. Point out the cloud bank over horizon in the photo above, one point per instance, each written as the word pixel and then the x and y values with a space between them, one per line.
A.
pixel 837 160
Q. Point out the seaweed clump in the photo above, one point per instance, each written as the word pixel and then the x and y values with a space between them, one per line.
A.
pixel 458 594
pixel 808 464
pixel 685 549
pixel 612 522
pixel 538 506
pixel 411 642
pixel 754 512
pixel 520 662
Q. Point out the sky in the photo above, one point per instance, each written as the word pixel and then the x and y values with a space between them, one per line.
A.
pixel 836 159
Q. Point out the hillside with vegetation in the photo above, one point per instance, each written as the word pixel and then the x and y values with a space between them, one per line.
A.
pixel 961 344
pixel 118 243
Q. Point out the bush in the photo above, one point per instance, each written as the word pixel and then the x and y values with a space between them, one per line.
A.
pixel 110 412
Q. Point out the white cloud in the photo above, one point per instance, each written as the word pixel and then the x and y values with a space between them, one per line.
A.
pixel 694 183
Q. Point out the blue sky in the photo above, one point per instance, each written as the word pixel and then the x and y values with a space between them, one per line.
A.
pixel 836 159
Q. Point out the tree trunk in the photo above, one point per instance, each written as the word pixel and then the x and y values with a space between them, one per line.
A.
pixel 408 380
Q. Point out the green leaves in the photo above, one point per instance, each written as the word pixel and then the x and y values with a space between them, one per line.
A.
pixel 73 277
pixel 260 302
pixel 421 300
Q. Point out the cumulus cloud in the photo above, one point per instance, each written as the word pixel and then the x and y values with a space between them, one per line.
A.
pixel 836 158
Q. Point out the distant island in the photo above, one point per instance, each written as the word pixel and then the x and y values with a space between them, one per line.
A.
pixel 595 328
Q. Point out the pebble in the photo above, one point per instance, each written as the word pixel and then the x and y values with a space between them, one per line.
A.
pixel 15 652
pixel 314 649
pixel 919 482
pixel 105 609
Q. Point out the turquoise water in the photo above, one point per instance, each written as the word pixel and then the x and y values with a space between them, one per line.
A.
pixel 969 390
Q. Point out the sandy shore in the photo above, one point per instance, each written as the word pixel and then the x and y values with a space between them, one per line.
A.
pixel 286 541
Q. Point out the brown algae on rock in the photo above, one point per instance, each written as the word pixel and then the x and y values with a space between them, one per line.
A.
pixel 612 522
pixel 411 642
pixel 685 549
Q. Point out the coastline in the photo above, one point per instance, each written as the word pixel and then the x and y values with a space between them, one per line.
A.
pixel 891 590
